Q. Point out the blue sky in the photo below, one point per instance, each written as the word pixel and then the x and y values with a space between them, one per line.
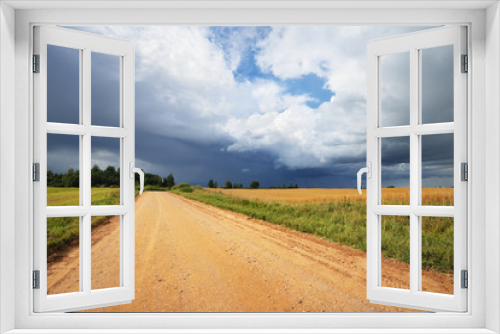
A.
pixel 273 104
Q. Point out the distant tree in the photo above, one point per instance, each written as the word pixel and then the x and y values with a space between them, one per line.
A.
pixel 254 185
pixel 50 176
pixel 151 179
pixel 170 182
pixel 216 185
pixel 237 185
pixel 110 177
pixel 96 176
pixel 74 182
pixel 284 186
pixel 68 177
pixel 211 183
pixel 228 184
pixel 296 185
pixel 391 186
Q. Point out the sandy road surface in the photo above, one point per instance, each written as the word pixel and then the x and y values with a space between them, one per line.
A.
pixel 192 257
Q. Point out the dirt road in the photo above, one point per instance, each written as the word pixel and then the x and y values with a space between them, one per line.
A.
pixel 192 257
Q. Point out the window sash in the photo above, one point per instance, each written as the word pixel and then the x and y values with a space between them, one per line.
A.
pixel 87 43
pixel 414 298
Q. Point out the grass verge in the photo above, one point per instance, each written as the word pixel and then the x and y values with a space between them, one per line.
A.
pixel 344 222
pixel 63 231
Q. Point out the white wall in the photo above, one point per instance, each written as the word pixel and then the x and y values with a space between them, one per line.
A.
pixel 492 164
pixel 7 161
pixel 491 185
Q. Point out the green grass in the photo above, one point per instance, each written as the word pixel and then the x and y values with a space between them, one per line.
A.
pixel 344 222
pixel 154 188
pixel 62 231
pixel 71 196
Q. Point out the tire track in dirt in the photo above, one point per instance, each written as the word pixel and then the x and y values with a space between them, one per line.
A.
pixel 192 257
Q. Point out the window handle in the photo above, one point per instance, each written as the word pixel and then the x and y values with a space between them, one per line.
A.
pixel 368 171
pixel 141 177
pixel 139 171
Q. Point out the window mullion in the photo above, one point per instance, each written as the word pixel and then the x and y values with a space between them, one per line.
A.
pixel 414 171
pixel 86 173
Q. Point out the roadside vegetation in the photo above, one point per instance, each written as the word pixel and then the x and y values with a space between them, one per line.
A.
pixel 342 221
pixel 62 231
pixel 62 190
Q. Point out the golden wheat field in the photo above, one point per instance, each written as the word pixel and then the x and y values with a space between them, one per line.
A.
pixel 430 196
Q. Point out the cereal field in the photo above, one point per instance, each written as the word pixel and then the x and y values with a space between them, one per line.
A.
pixel 430 196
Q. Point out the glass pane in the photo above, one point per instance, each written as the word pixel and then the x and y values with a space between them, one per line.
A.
pixel 437 170
pixel 63 255
pixel 105 172
pixel 105 252
pixel 395 172
pixel 437 84
pixel 63 175
pixel 395 89
pixel 63 85
pixel 105 89
pixel 395 242
pixel 437 254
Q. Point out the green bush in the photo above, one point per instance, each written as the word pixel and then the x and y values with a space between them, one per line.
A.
pixel 183 187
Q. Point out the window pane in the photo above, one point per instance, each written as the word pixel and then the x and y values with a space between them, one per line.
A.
pixel 437 170
pixel 437 254
pixel 395 89
pixel 395 251
pixel 105 252
pixel 395 172
pixel 105 172
pixel 437 84
pixel 105 89
pixel 63 85
pixel 63 255
pixel 63 175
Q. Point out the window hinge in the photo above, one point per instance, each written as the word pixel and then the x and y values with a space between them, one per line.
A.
pixel 464 171
pixel 36 172
pixel 465 279
pixel 465 64
pixel 36 279
pixel 36 63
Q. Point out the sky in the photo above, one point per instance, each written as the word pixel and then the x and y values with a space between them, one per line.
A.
pixel 281 104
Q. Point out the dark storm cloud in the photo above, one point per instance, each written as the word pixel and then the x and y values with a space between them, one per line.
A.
pixel 395 89
pixel 395 162
pixel 63 85
pixel 105 152
pixel 437 160
pixel 62 152
pixel 437 84
pixel 105 76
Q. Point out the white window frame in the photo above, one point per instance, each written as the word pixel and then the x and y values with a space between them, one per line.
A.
pixel 483 125
pixel 86 44
pixel 413 44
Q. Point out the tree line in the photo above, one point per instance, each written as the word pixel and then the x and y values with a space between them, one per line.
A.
pixel 108 177
pixel 253 185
